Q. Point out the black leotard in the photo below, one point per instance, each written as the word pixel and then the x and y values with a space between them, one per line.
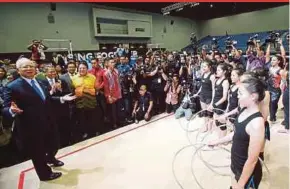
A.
pixel 206 89
pixel 239 152
pixel 218 94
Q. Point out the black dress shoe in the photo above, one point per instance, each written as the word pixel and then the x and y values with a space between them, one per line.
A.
pixel 52 176
pixel 56 163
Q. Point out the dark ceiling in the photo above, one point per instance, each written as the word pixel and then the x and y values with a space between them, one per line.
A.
pixel 203 11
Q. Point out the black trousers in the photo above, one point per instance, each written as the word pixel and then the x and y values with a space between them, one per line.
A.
pixel 113 112
pixel 42 150
pixel 171 107
pixel 63 123
pixel 126 103
pixel 158 101
pixel 87 121
pixel 275 96
pixel 286 107
pixel 101 100
pixel 140 115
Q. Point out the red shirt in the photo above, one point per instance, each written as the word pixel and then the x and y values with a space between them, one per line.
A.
pixel 35 54
pixel 99 74
pixel 112 86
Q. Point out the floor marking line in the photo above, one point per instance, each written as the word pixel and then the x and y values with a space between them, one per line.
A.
pixel 22 173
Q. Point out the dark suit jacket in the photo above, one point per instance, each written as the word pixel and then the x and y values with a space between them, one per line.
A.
pixel 36 126
pixel 66 78
pixel 60 62
pixel 59 109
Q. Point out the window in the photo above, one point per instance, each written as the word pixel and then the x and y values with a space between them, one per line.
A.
pixel 140 29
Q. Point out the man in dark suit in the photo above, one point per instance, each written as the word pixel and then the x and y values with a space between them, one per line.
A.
pixel 27 100
pixel 60 110
pixel 71 71
pixel 67 80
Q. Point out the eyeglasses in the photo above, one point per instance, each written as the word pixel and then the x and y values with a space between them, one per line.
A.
pixel 27 66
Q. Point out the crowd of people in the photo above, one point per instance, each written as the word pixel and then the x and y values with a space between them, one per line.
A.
pixel 117 91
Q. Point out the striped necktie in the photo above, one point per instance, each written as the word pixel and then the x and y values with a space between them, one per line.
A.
pixel 37 90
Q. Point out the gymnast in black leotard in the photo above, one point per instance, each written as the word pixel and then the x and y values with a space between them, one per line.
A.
pixel 205 93
pixel 219 102
pixel 262 74
pixel 233 101
pixel 248 136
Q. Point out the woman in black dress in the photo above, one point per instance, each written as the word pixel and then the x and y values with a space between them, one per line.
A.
pixel 248 136
pixel 233 102
pixel 219 101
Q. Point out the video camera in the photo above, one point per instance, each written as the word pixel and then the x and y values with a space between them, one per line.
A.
pixel 214 44
pixel 130 73
pixel 250 42
pixel 193 38
pixel 194 43
pixel 229 43
pixel 230 57
pixel 182 59
pixel 186 84
pixel 170 77
pixel 273 37
pixel 142 69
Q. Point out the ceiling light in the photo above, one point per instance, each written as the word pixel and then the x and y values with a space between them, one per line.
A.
pixel 211 5
pixel 175 6
pixel 166 13
pixel 194 4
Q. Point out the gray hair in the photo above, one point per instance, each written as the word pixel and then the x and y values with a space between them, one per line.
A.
pixel 21 61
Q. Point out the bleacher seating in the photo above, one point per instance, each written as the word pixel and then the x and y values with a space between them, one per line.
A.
pixel 241 40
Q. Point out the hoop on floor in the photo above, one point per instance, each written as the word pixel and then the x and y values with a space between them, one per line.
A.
pixel 193 117
pixel 198 146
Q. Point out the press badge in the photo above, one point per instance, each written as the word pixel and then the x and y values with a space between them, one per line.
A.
pixel 159 80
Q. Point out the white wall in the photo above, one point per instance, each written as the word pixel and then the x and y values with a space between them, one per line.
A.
pixel 257 21
pixel 22 22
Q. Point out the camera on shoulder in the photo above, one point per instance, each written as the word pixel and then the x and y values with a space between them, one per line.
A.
pixel 273 37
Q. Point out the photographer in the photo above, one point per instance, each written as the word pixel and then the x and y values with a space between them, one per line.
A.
pixel 184 70
pixel 173 89
pixel 172 64
pixel 194 70
pixel 127 87
pixel 158 79
pixel 37 48
pixel 128 83
pixel 143 106
pixel 237 56
pixel 187 106
pixel 283 54
pixel 142 69
pixel 255 56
